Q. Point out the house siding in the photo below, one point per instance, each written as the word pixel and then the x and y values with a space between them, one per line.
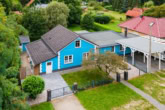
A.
pixel 24 47
pixel 116 50
pixel 54 64
pixel 76 52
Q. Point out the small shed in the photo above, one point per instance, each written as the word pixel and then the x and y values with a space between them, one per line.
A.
pixel 24 40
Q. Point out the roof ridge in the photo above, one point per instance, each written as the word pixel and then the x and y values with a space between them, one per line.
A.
pixel 48 46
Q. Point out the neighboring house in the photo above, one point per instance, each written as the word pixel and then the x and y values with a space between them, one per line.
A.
pixel 61 48
pixel 140 26
pixel 135 12
pixel 24 40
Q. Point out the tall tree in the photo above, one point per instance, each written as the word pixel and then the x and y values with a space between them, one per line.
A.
pixel 11 97
pixel 75 11
pixel 57 13
pixel 35 22
pixel 125 6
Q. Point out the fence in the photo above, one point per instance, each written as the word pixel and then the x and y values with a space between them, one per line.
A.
pixel 51 94
pixel 93 83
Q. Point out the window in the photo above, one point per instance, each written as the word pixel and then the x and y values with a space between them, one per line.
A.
pixel 121 48
pixel 49 63
pixel 77 45
pixel 68 59
pixel 85 55
pixel 113 48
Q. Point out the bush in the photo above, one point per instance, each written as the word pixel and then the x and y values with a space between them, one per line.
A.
pixel 109 7
pixel 87 22
pixel 17 6
pixel 33 85
pixel 102 19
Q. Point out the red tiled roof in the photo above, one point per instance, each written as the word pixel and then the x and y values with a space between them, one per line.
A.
pixel 135 12
pixel 141 24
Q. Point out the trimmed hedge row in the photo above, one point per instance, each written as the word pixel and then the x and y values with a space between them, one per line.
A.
pixel 102 19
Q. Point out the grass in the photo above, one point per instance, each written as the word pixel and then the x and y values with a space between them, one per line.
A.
pixel 43 106
pixel 113 25
pixel 75 28
pixel 153 84
pixel 82 77
pixel 111 96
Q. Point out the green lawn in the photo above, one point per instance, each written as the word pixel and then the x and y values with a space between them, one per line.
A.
pixel 75 28
pixel 83 77
pixel 112 96
pixel 153 84
pixel 43 106
pixel 113 25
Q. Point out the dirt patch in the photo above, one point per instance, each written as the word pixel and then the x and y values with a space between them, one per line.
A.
pixel 136 105
pixel 67 103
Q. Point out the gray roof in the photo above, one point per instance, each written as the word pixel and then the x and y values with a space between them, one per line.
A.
pixel 39 52
pixel 50 43
pixel 59 37
pixel 24 39
pixel 105 38
pixel 142 44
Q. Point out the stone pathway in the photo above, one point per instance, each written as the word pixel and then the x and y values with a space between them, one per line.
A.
pixel 67 103
pixel 144 95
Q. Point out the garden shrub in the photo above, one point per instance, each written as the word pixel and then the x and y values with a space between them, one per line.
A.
pixel 17 6
pixel 109 7
pixel 33 85
pixel 102 19
pixel 87 21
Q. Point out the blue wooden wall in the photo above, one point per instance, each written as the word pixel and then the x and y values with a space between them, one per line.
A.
pixel 70 50
pixel 54 63
pixel 76 52
pixel 24 47
pixel 117 50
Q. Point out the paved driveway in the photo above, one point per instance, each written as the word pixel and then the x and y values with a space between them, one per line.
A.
pixel 52 81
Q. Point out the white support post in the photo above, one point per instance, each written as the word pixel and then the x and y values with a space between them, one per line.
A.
pixel 159 61
pixel 133 56
pixel 148 64
pixel 144 58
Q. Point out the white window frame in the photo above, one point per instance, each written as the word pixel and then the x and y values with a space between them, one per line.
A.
pixel 80 44
pixel 68 62
pixel 86 55
pixel 113 49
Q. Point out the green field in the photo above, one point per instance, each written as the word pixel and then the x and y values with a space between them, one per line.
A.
pixel 153 84
pixel 43 106
pixel 113 96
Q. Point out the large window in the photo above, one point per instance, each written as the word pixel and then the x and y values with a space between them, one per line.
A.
pixel 78 44
pixel 85 55
pixel 68 59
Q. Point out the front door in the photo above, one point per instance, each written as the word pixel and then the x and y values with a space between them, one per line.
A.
pixel 49 67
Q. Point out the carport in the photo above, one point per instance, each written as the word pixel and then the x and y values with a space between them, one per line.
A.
pixel 141 44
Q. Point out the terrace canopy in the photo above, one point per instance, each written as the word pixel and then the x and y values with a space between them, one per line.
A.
pixel 141 44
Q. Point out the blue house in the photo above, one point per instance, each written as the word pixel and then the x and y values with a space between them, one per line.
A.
pixel 61 48
pixel 24 40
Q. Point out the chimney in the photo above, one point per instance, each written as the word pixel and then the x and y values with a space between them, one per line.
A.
pixel 126 32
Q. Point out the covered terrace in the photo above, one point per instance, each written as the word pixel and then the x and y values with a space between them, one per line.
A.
pixel 141 44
